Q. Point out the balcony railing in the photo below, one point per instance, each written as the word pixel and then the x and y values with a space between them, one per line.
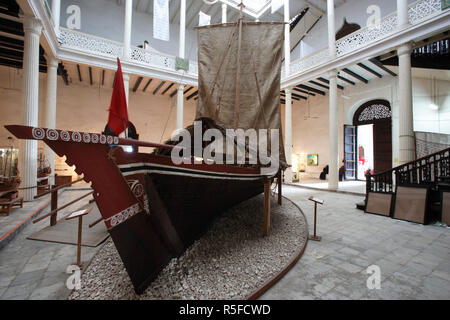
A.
pixel 86 43
pixel 417 13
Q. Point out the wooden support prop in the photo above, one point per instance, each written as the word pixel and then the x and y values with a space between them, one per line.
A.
pixel 266 207
pixel 280 182
pixel 316 201
pixel 54 206
pixel 79 215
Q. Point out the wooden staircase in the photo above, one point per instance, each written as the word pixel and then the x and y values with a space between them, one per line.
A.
pixel 431 171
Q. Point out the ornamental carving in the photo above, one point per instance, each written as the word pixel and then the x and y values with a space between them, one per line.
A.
pixel 374 112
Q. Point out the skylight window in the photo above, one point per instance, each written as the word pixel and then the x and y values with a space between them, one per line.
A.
pixel 254 8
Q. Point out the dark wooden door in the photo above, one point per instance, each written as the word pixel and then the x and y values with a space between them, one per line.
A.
pixel 350 151
pixel 382 145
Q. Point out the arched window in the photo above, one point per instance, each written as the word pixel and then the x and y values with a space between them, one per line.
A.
pixel 372 112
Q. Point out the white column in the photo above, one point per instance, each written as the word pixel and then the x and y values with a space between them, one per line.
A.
pixel 402 13
pixel 50 108
pixel 333 173
pixel 288 133
pixel 126 47
pixel 180 106
pixel 224 13
pixel 181 48
pixel 127 29
pixel 287 39
pixel 331 29
pixel 406 134
pixel 181 54
pixel 56 12
pixel 30 105
pixel 126 84
pixel 288 92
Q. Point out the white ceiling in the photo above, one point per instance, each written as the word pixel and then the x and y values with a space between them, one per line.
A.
pixel 193 7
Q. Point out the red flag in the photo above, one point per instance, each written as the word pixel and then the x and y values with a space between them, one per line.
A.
pixel 118 115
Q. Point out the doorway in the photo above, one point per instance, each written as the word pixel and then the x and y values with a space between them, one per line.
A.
pixel 371 147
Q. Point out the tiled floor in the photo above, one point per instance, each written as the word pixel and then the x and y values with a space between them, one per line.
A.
pixel 414 260
pixel 31 269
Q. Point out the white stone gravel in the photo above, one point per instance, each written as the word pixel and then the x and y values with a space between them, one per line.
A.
pixel 231 261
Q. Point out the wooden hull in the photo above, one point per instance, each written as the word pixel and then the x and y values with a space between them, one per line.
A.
pixel 153 209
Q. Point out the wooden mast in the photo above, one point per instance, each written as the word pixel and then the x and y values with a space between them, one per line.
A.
pixel 237 104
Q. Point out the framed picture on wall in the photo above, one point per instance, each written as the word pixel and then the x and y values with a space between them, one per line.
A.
pixel 312 160
pixel 445 4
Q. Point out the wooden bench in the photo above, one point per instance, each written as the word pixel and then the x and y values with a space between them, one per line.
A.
pixel 6 205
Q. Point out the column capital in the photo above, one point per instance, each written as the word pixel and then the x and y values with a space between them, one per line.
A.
pixel 405 48
pixel 31 24
pixel 332 73
pixel 180 86
pixel 126 77
pixel 51 61
pixel 288 90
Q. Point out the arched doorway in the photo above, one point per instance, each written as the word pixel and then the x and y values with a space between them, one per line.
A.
pixel 368 142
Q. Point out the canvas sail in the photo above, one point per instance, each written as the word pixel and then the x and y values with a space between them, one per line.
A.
pixel 260 57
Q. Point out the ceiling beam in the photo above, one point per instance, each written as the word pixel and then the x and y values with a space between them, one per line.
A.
pixel 90 76
pixel 174 92
pixel 346 80
pixel 188 89
pixel 168 87
pixel 79 73
pixel 363 66
pixel 319 84
pixel 355 75
pixel 292 96
pixel 148 83
pixel 192 95
pixel 137 83
pixel 380 65
pixel 328 82
pixel 103 77
pixel 302 86
pixel 158 87
pixel 304 91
